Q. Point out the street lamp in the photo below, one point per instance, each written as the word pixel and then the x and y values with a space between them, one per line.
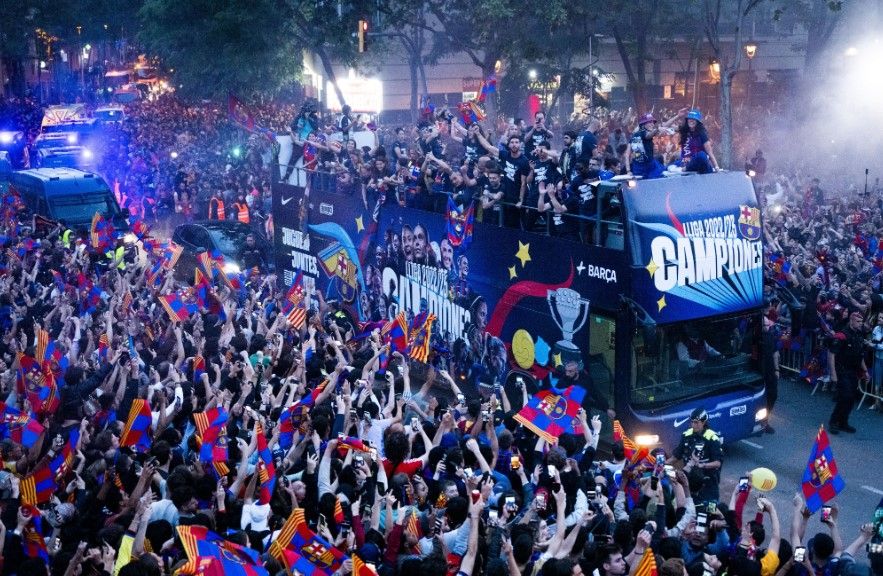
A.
pixel 750 51
pixel 532 74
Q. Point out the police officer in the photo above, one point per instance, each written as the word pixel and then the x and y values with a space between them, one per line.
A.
pixel 847 365
pixel 701 456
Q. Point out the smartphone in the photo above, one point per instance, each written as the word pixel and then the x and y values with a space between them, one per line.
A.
pixel 800 554
pixel 344 529
pixel 552 470
pixel 711 507
pixel 493 514
pixel 461 399
pixel 359 460
pixel 826 514
pixel 701 522
pixel 510 503
pixel 591 494
pixel 515 463
pixel 322 523
pixel 415 423
pixel 743 484
pixel 485 415
pixel 541 501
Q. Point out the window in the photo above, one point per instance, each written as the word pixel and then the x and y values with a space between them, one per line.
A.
pixel 676 362
pixel 82 207
pixel 602 358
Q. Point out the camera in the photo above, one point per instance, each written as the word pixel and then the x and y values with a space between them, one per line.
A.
pixel 800 554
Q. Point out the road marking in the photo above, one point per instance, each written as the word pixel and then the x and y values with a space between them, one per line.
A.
pixel 874 490
pixel 752 444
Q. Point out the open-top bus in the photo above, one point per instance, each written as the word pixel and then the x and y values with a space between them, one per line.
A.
pixel 658 267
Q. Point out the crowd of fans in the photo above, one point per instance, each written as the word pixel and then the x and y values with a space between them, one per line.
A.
pixel 126 421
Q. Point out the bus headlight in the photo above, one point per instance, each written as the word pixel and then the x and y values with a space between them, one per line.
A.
pixel 7 137
pixel 87 154
pixel 231 268
pixel 761 415
pixel 130 238
pixel 71 138
pixel 647 439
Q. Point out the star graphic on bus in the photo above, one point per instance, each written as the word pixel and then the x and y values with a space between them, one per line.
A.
pixel 360 224
pixel 512 273
pixel 652 267
pixel 523 253
pixel 661 303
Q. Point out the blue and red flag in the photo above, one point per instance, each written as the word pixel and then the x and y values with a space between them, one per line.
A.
pixel 103 345
pixel 460 225
pixel 38 487
pixel 154 274
pixel 292 417
pixel 239 114
pixel 295 306
pixel 198 368
pixel 208 553
pixel 37 381
pixel 212 428
pixel 136 433
pixel 100 233
pixel 421 339
pixel 296 536
pixel 19 427
pixel 821 479
pixel 32 536
pixel 551 413
pixel 265 469
pixel 175 306
pixel 62 463
pixel 395 333
pixel 170 256
pixel 58 278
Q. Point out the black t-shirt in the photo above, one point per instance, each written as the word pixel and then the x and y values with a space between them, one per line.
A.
pixel 539 136
pixel 403 146
pixel 513 170
pixel 588 143
pixel 849 352
pixel 471 149
pixel 546 171
pixel 642 146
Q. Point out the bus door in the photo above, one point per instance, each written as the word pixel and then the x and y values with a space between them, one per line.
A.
pixel 601 363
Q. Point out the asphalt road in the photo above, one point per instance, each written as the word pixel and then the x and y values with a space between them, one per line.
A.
pixel 796 420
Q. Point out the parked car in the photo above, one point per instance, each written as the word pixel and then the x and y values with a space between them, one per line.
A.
pixel 226 236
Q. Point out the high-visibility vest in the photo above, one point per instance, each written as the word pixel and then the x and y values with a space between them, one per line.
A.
pixel 219 204
pixel 242 212
pixel 117 253
pixel 66 238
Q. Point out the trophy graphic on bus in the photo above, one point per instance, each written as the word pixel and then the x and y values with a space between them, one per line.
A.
pixel 573 311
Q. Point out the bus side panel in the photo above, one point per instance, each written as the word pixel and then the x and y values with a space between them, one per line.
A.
pixel 510 303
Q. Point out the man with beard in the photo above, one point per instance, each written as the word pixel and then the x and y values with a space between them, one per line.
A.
pixel 515 167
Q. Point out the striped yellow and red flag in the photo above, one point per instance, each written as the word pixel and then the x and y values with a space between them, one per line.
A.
pixel 647 565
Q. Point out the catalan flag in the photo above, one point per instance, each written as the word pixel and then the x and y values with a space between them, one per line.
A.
pixel 361 568
pixel 420 341
pixel 647 565
pixel 821 479
pixel 338 512
pixel 345 443
pixel 413 524
pixel 295 535
pixel 38 487
pixel 551 413
pixel 208 552
pixel 265 468
pixel 127 302
pixel 18 426
pixel 137 430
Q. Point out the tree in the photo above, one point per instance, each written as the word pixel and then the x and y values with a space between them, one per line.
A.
pixel 820 19
pixel 405 23
pixel 483 31
pixel 728 18
pixel 239 46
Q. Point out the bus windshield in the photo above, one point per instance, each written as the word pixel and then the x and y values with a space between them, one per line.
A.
pixel 677 362
pixel 82 207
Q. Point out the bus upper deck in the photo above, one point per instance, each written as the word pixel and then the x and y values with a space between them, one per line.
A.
pixel 650 267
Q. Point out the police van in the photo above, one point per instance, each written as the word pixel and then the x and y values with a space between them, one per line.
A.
pixel 69 196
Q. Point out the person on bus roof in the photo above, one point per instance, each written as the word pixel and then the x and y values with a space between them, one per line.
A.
pixel 700 456
pixel 693 350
